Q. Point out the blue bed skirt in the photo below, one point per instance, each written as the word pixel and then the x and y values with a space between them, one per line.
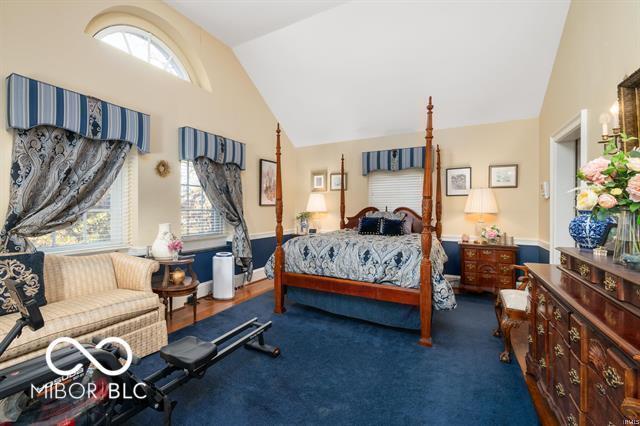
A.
pixel 385 313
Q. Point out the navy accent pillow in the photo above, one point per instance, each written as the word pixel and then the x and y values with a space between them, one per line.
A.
pixel 369 226
pixel 24 268
pixel 391 227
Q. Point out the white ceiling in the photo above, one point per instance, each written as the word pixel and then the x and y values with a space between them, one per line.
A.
pixel 350 70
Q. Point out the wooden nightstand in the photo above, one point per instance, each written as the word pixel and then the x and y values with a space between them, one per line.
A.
pixel 487 267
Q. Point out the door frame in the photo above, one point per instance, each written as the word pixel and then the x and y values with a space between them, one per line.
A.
pixel 578 121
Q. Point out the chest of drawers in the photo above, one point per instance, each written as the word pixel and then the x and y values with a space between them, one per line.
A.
pixel 487 267
pixel 584 341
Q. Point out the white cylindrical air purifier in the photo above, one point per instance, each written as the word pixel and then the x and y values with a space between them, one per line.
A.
pixel 223 269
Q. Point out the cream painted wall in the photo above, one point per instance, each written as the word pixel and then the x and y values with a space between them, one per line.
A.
pixel 513 142
pixel 46 40
pixel 599 46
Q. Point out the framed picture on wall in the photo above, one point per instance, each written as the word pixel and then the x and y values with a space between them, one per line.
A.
pixel 503 176
pixel 267 183
pixel 458 181
pixel 319 181
pixel 335 181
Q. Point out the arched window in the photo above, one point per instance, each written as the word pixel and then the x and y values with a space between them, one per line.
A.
pixel 143 45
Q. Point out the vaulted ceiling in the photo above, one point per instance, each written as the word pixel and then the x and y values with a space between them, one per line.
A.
pixel 339 71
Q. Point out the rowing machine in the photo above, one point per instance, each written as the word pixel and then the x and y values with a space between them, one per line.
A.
pixel 31 392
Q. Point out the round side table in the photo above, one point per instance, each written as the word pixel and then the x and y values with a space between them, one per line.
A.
pixel 166 289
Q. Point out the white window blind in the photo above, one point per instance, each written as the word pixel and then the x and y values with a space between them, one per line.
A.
pixel 105 226
pixel 390 190
pixel 198 217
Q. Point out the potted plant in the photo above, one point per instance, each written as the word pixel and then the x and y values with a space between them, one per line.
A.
pixel 303 222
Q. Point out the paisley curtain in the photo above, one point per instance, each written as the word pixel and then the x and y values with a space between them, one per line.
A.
pixel 56 176
pixel 222 184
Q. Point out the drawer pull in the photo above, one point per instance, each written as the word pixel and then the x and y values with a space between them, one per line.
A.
pixel 505 269
pixel 540 329
pixel 559 390
pixel 530 339
pixel 610 283
pixel 571 421
pixel 543 363
pixel 471 253
pixel 487 252
pixel 542 300
pixel 574 378
pixel 557 349
pixel 612 377
pixel 563 259
pixel 505 257
pixel 557 315
pixel 584 270
pixel 574 335
pixel 601 390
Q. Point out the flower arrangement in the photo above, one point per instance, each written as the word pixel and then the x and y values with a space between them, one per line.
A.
pixel 175 245
pixel 613 181
pixel 491 233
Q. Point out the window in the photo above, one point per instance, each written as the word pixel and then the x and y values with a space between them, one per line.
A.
pixel 390 190
pixel 104 226
pixel 197 216
pixel 143 45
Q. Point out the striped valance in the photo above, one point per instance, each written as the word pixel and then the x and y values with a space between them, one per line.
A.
pixel 195 143
pixel 393 159
pixel 33 103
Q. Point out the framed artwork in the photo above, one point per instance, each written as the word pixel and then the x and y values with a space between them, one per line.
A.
pixel 458 181
pixel 335 181
pixel 267 183
pixel 319 181
pixel 503 176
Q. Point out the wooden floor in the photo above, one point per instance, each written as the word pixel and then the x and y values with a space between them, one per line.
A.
pixel 208 307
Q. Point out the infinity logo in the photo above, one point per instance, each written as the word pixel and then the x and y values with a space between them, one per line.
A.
pixel 90 357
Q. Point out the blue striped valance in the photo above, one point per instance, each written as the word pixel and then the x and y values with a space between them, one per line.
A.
pixel 33 103
pixel 393 159
pixel 195 143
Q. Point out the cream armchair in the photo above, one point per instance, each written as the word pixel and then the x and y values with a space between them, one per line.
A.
pixel 101 295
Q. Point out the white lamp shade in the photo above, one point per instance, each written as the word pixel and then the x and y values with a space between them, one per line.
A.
pixel 316 203
pixel 481 200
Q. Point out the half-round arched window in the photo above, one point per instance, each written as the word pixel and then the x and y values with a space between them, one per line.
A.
pixel 143 45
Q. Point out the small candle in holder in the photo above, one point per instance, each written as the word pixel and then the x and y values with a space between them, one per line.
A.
pixel 600 251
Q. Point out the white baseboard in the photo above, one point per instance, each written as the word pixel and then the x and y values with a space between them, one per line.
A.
pixel 205 288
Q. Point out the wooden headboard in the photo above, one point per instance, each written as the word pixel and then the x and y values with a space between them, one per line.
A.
pixel 351 222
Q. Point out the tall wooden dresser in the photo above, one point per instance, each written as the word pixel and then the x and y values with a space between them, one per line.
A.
pixel 584 341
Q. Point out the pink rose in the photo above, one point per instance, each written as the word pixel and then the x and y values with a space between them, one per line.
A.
pixel 607 201
pixel 592 171
pixel 633 188
pixel 633 163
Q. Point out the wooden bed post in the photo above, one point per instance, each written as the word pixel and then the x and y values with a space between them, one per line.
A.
pixel 425 262
pixel 343 222
pixel 438 196
pixel 279 254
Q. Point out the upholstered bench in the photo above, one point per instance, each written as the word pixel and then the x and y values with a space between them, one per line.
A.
pixel 512 307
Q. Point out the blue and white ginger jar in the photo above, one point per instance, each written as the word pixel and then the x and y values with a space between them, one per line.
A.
pixel 588 231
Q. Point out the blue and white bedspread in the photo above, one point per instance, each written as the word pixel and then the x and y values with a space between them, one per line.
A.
pixel 370 258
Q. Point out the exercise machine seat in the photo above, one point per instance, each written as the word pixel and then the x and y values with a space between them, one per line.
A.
pixel 189 353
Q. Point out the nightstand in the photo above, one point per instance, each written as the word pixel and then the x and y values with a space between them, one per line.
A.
pixel 487 267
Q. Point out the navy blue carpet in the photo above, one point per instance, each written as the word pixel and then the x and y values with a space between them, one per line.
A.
pixel 336 370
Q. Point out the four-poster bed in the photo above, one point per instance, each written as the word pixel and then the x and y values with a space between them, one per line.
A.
pixel 418 294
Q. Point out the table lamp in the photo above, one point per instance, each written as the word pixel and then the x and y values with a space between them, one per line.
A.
pixel 316 204
pixel 481 201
